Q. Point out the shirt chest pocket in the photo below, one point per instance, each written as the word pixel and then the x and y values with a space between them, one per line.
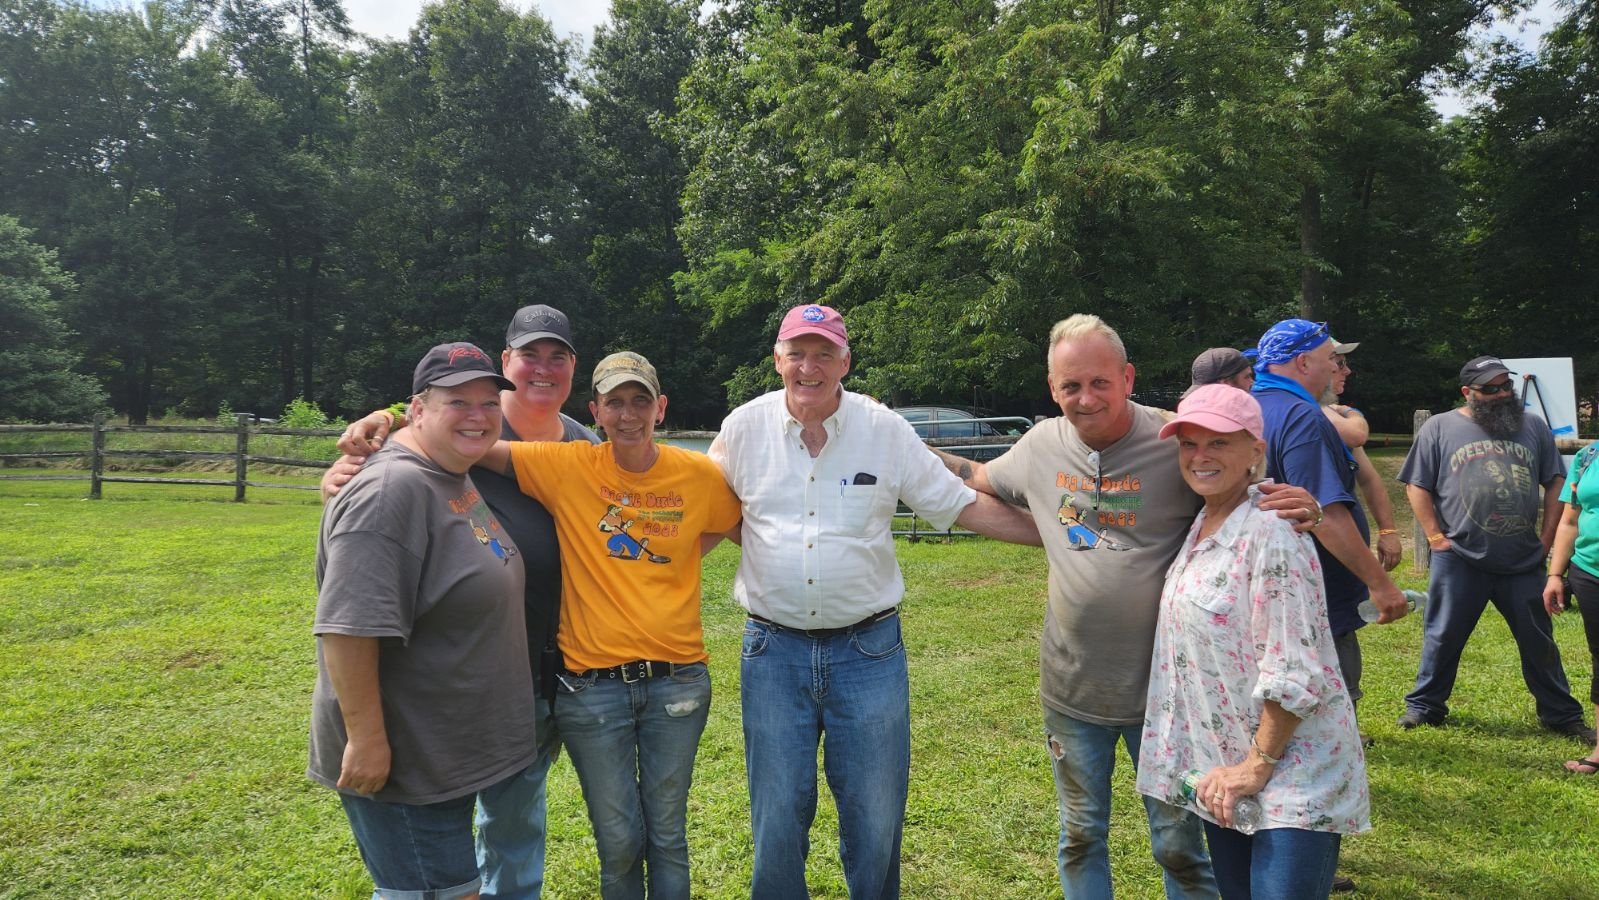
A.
pixel 856 509
pixel 1211 599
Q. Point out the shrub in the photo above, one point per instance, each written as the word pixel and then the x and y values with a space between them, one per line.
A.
pixel 302 413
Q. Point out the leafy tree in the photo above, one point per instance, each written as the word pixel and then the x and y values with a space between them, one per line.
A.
pixel 95 95
pixel 464 190
pixel 976 172
pixel 291 53
pixel 38 381
pixel 1533 213
pixel 634 177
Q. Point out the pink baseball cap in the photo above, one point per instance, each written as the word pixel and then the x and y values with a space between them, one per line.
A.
pixel 1221 408
pixel 812 318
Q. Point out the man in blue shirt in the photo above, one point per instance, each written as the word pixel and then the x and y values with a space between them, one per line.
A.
pixel 1295 364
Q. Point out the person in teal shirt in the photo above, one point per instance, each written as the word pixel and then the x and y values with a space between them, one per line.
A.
pixel 1574 569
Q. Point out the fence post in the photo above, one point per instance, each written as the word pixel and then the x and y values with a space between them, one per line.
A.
pixel 96 456
pixel 242 449
pixel 1419 534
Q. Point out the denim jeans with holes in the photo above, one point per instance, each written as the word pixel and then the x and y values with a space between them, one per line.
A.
pixel 1083 756
pixel 633 746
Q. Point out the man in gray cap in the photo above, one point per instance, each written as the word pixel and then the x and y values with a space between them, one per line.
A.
pixel 1222 365
pixel 1353 429
pixel 1473 478
pixel 539 357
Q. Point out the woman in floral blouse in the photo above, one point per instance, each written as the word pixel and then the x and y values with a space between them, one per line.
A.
pixel 1244 687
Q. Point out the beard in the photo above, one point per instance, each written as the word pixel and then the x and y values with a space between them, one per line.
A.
pixel 1501 418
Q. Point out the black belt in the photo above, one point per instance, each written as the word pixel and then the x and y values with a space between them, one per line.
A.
pixel 872 619
pixel 638 670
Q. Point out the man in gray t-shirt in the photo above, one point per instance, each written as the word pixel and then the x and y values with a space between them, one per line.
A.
pixel 1473 478
pixel 1112 519
pixel 1113 511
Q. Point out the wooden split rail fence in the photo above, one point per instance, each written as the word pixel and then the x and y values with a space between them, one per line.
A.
pixel 98 454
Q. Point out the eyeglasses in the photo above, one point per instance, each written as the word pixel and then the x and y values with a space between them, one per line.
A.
pixel 1305 340
pixel 1093 460
pixel 1488 390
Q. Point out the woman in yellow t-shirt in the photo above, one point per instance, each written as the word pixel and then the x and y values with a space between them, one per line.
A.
pixel 634 696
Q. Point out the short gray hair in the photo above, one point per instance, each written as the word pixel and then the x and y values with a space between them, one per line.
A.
pixel 1080 326
pixel 781 347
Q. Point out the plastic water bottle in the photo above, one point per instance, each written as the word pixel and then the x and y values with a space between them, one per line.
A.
pixel 1248 815
pixel 1369 613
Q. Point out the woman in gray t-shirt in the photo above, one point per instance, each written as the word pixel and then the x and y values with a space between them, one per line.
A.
pixel 424 696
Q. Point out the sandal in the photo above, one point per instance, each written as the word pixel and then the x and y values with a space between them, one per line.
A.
pixel 1582 766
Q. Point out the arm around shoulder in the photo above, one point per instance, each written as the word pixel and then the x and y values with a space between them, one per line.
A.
pixel 989 516
pixel 972 472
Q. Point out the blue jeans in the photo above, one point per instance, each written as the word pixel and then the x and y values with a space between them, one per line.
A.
pixel 1274 864
pixel 415 851
pixel 511 821
pixel 1459 592
pixel 633 746
pixel 1084 755
pixel 851 693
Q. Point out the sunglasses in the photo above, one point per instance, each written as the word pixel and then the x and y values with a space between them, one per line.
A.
pixel 1489 390
pixel 1308 338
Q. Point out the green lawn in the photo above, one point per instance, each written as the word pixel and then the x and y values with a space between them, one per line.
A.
pixel 156 669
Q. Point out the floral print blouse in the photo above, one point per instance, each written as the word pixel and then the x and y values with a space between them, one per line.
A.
pixel 1243 620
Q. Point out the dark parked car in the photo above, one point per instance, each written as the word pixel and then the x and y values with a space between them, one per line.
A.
pixel 971 425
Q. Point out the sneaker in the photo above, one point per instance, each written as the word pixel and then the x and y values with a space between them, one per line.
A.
pixel 1575 729
pixel 1415 718
pixel 1343 884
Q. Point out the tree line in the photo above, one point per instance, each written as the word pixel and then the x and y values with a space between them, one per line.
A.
pixel 208 202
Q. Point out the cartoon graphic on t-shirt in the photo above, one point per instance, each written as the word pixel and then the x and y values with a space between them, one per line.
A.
pixel 484 527
pixel 622 545
pixel 1078 535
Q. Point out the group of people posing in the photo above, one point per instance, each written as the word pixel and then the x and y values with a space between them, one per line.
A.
pixel 1200 616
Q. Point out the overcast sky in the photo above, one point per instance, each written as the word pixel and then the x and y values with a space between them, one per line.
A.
pixel 394 18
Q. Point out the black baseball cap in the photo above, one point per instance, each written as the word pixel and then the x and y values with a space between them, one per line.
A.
pixel 1482 370
pixel 448 365
pixel 537 322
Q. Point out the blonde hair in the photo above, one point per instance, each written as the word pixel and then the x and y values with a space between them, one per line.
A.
pixel 1080 326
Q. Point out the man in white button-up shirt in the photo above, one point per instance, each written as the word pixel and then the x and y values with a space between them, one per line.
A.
pixel 820 471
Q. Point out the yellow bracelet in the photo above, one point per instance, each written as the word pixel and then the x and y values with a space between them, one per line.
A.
pixel 1383 531
pixel 1434 536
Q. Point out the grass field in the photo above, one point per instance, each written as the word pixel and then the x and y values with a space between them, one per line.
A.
pixel 156 668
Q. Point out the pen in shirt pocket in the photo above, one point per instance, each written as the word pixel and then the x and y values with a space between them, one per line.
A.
pixel 842 482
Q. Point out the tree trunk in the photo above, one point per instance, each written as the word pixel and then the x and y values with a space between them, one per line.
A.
pixel 1310 286
pixel 285 329
pixel 308 307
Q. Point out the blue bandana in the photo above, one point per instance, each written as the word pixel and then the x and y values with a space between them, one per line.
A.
pixel 1288 339
pixel 1266 381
